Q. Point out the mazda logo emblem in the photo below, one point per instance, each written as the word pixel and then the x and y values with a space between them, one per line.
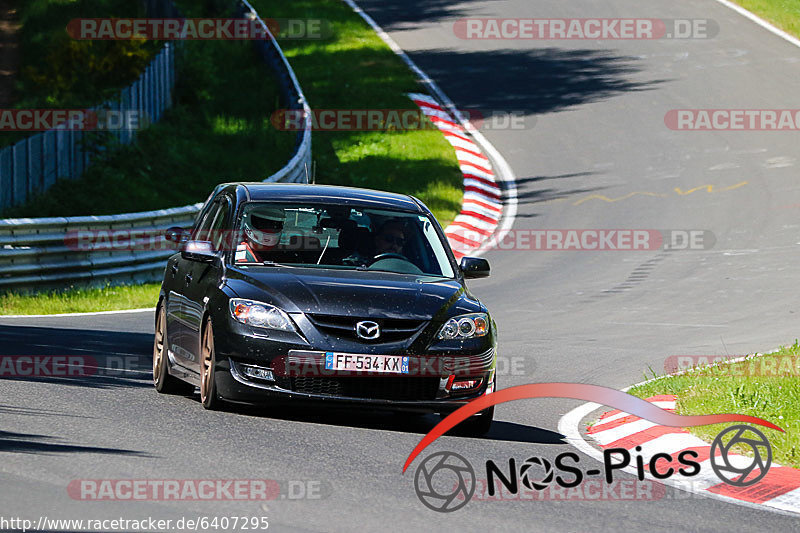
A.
pixel 368 330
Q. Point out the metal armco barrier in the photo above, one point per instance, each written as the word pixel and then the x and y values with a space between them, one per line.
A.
pixel 36 253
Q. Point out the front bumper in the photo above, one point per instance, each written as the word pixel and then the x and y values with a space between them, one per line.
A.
pixel 428 390
pixel 433 392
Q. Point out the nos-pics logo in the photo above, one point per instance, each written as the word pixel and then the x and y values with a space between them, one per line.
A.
pixel 446 481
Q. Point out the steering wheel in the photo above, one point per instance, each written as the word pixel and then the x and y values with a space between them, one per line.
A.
pixel 389 255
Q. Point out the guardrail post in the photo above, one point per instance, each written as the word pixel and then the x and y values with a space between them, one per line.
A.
pixel 6 178
pixel 49 159
pixel 20 187
pixel 29 167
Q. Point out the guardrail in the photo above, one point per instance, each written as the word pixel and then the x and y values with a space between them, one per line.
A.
pixel 35 163
pixel 36 253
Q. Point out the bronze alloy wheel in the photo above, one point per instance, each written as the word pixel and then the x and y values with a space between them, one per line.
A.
pixel 158 348
pixel 208 386
pixel 162 380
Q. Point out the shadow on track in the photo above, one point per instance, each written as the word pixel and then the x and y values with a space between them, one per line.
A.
pixel 30 411
pixel 401 422
pixel 106 359
pixel 45 444
pixel 412 13
pixel 533 81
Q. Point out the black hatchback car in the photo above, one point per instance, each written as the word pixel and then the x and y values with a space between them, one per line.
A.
pixel 321 293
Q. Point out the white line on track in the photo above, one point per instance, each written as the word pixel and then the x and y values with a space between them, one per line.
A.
pixel 761 22
pixel 91 313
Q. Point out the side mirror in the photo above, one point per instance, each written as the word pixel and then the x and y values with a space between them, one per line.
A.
pixel 474 267
pixel 200 251
pixel 177 235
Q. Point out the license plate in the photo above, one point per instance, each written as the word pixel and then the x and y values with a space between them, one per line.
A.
pixel 385 364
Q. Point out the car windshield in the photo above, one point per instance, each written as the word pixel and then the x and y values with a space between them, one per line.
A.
pixel 339 237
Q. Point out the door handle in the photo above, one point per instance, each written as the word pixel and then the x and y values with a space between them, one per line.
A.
pixel 188 278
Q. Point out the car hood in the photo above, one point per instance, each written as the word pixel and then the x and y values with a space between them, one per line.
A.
pixel 353 293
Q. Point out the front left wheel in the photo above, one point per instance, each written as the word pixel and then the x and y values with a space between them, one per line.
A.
pixel 208 384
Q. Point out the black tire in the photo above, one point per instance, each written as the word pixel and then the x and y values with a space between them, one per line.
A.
pixel 208 360
pixel 477 425
pixel 162 380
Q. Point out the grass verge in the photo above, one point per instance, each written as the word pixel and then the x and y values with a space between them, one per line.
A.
pixel 766 386
pixel 784 14
pixel 78 300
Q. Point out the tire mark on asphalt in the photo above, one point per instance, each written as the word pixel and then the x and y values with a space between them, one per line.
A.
pixel 709 188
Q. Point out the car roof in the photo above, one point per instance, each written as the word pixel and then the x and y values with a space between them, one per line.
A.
pixel 327 194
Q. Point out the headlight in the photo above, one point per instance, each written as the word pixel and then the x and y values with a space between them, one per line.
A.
pixel 260 315
pixel 465 327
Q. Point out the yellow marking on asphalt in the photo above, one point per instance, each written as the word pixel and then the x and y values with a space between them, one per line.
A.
pixel 611 200
pixel 709 188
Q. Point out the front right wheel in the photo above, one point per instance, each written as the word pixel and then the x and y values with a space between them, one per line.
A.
pixel 475 426
pixel 478 425
pixel 208 383
pixel 162 380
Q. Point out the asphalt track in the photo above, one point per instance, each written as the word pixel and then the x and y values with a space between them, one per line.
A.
pixel 591 317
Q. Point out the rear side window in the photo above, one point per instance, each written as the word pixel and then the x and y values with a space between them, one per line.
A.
pixel 220 227
pixel 203 230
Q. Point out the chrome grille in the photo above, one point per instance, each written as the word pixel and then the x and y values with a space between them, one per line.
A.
pixel 469 364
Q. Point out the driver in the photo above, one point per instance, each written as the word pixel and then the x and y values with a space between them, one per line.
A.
pixel 262 234
pixel 390 238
